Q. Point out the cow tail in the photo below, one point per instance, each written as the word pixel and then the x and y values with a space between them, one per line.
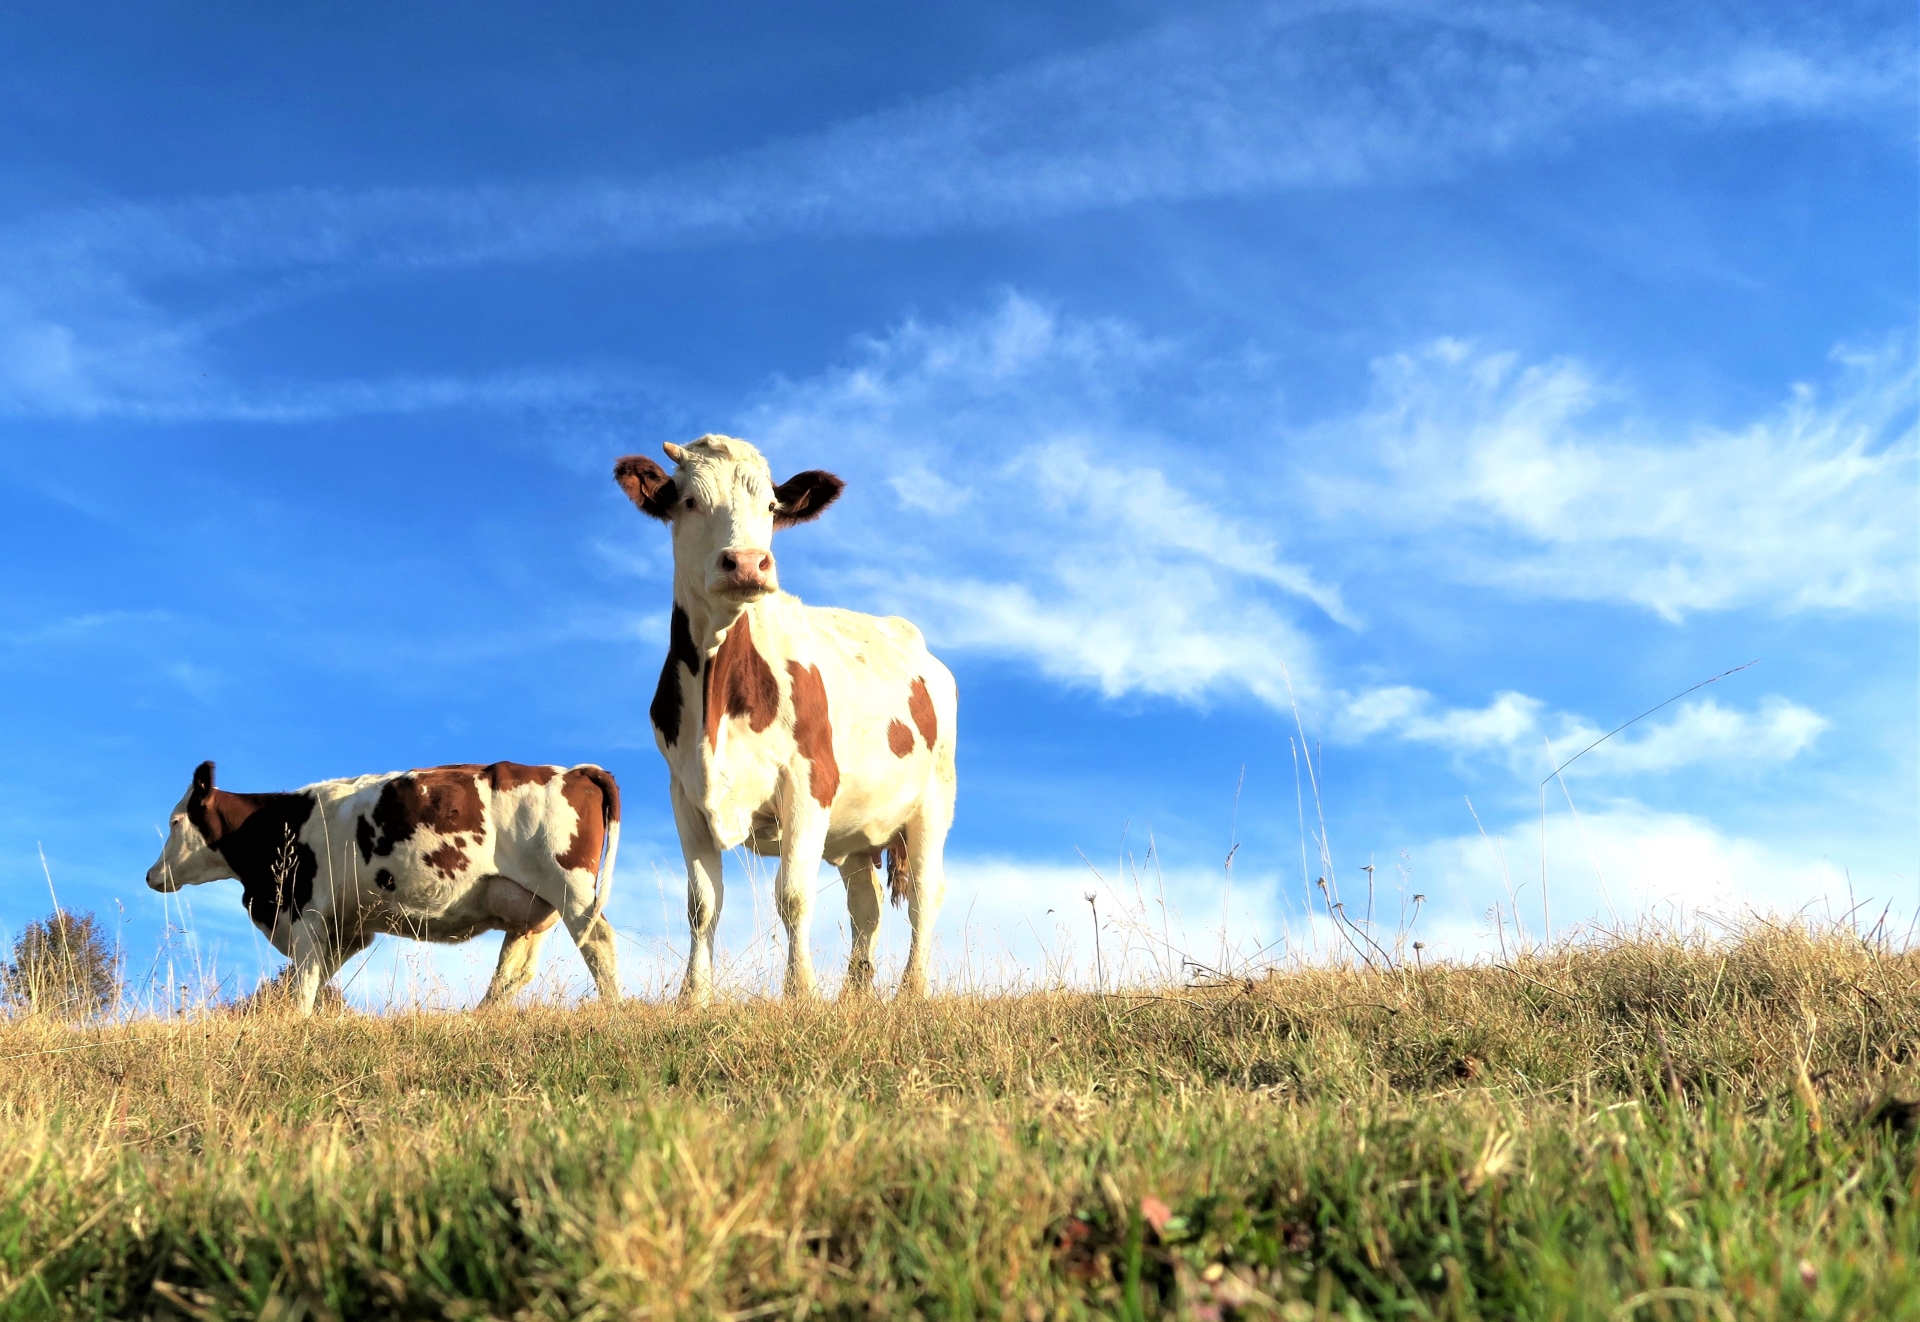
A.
pixel 898 877
pixel 610 817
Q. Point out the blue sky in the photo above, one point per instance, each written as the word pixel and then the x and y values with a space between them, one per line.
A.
pixel 1433 386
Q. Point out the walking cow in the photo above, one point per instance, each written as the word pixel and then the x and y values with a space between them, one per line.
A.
pixel 439 854
pixel 802 732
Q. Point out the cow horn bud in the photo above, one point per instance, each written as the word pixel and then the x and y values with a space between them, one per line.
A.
pixel 674 452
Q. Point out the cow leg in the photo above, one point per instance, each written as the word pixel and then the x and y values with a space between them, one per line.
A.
pixel 706 891
pixel 519 956
pixel 526 919
pixel 591 932
pixel 926 878
pixel 863 908
pixel 596 948
pixel 318 951
pixel 800 846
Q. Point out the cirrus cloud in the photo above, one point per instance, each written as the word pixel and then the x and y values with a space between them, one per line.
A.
pixel 1514 475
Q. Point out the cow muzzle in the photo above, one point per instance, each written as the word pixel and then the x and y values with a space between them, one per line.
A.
pixel 747 570
pixel 160 877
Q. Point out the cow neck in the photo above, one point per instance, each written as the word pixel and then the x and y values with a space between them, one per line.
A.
pixel 708 622
pixel 259 836
pixel 735 678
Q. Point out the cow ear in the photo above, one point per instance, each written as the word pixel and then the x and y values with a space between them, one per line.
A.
pixel 647 485
pixel 804 495
pixel 198 800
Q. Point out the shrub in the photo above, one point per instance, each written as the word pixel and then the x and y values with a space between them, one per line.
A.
pixel 62 966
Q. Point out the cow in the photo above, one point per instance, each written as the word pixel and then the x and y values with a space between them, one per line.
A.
pixel 439 854
pixel 801 732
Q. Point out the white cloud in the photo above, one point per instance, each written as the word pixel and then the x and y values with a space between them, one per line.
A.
pixel 1086 549
pixel 1517 727
pixel 1624 863
pixel 1406 712
pixel 1502 474
pixel 1005 922
pixel 1025 920
pixel 1130 559
pixel 1705 732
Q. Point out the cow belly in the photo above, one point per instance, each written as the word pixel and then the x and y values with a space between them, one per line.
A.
pixel 866 815
pixel 492 904
pixel 518 907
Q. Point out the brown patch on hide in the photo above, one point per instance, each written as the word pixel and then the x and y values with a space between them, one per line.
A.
pixel 813 732
pixel 443 800
pixel 504 776
pixel 450 860
pixel 899 738
pixel 595 800
pixel 739 682
pixel 920 707
pixel 681 651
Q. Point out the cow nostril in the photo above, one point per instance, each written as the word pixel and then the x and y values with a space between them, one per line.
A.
pixel 727 561
pixel 766 563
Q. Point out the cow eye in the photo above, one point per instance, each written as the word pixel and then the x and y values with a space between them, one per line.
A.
pixel 772 505
pixel 689 502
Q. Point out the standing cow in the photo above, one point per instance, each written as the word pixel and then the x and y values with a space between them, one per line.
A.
pixel 798 731
pixel 440 854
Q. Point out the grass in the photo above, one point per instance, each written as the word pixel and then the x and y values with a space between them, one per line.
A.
pixel 1630 1126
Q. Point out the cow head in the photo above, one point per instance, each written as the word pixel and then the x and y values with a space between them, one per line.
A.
pixel 189 858
pixel 723 506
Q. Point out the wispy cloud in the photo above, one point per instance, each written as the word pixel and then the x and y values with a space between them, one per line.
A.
pixel 1245 100
pixel 87 629
pixel 1057 532
pixel 54 372
pixel 1014 498
pixel 1520 729
pixel 1510 474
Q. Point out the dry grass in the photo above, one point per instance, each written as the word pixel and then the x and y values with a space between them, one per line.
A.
pixel 1639 1125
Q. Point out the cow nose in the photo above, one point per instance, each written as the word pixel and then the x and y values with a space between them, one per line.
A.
pixel 747 566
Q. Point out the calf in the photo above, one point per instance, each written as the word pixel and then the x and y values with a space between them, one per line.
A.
pixel 798 731
pixel 440 854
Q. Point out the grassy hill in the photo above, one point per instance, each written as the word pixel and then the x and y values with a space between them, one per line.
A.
pixel 1637 1126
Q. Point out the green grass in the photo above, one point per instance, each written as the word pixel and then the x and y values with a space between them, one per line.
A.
pixel 1639 1127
